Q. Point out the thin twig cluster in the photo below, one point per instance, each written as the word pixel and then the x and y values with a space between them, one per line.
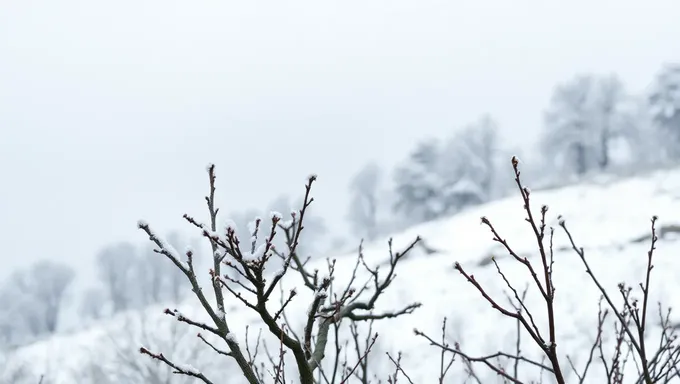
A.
pixel 242 270
pixel 654 364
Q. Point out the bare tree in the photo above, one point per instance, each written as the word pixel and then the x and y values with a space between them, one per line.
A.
pixel 655 363
pixel 250 260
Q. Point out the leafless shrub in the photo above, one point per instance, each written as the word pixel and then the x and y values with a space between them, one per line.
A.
pixel 330 306
pixel 630 324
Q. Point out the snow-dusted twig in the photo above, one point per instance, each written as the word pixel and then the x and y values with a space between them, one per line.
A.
pixel 443 366
pixel 186 370
pixel 213 347
pixel 487 359
pixel 221 327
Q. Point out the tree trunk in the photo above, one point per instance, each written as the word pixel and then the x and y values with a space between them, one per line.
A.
pixel 604 149
pixel 581 166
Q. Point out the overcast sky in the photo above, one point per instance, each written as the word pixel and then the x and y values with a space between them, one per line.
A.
pixel 110 110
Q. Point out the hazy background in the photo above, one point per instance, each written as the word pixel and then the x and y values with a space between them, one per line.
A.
pixel 110 110
pixel 408 112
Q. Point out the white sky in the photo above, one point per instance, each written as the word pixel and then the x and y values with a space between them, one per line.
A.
pixel 110 110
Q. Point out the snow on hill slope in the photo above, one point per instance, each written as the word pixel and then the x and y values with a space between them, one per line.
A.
pixel 610 220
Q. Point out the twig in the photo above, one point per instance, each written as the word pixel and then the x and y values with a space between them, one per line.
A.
pixel 399 369
pixel 188 371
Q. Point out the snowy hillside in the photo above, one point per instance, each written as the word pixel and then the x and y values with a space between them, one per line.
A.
pixel 610 220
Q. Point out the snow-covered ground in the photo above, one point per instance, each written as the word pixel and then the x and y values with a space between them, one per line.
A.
pixel 610 219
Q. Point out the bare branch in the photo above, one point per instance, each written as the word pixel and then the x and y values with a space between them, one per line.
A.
pixel 399 369
pixel 181 370
pixel 219 351
pixel 368 350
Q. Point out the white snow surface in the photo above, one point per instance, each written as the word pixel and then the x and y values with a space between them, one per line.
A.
pixel 605 219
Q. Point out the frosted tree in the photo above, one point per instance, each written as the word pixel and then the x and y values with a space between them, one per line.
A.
pixel 610 92
pixel 665 106
pixel 46 283
pixel 418 184
pixel 93 304
pixel 439 180
pixel 115 266
pixel 34 297
pixel 469 162
pixel 150 276
pixel 364 203
pixel 133 277
pixel 586 117
pixel 18 319
pixel 613 117
pixel 648 144
pixel 569 137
